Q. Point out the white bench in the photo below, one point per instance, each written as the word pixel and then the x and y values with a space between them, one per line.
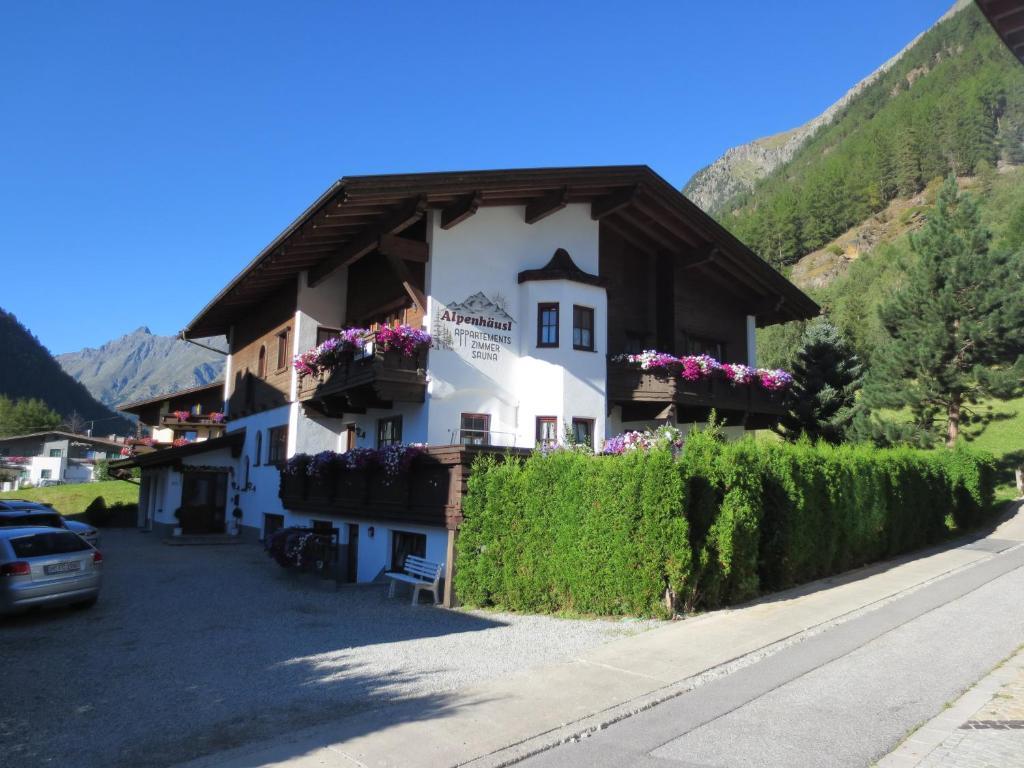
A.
pixel 422 574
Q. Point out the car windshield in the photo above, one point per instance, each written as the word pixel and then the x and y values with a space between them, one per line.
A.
pixel 41 544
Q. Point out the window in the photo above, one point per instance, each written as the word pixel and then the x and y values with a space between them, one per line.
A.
pixel 583 431
pixel 323 334
pixel 547 325
pixel 389 431
pixel 191 435
pixel 547 431
pixel 323 527
pixel 582 328
pixel 271 524
pixel 56 543
pixel 698 345
pixel 635 342
pixel 277 444
pixel 261 365
pixel 282 350
pixel 56 452
pixel 259 447
pixel 45 474
pixel 475 429
pixel 404 544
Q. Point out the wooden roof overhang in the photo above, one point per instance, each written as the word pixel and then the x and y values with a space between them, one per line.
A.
pixel 357 215
pixel 138 406
pixel 172 456
pixel 1007 18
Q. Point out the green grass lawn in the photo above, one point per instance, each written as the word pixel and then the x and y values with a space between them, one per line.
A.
pixel 73 499
pixel 998 427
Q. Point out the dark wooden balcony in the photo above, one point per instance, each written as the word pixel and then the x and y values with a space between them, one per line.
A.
pixel 429 493
pixel 201 420
pixel 646 395
pixel 375 380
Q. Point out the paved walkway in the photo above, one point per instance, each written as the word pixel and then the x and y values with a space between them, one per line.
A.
pixel 505 721
pixel 984 728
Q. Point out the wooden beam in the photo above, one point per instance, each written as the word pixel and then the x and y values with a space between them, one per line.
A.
pixel 550 203
pixel 460 210
pixel 404 248
pixel 603 206
pixel 400 218
pixel 401 270
pixel 767 305
pixel 710 255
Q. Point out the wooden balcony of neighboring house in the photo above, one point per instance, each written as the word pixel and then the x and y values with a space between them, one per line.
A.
pixel 192 421
pixel 645 395
pixel 369 378
pixel 429 492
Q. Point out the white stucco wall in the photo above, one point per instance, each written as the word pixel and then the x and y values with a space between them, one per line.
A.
pixel 260 496
pixel 502 372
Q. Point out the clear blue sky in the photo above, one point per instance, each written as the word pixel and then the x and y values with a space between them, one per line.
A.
pixel 149 150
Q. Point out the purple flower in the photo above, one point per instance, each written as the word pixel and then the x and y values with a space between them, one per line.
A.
pixel 404 338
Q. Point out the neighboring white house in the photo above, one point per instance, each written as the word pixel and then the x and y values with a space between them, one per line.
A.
pixel 50 458
pixel 528 281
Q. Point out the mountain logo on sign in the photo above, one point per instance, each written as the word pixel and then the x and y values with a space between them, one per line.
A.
pixel 477 310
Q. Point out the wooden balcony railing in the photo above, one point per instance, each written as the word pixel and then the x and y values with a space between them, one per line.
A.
pixel 429 493
pixel 374 378
pixel 643 391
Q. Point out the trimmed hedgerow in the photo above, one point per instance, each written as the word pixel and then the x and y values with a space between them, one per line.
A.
pixel 570 532
pixel 646 533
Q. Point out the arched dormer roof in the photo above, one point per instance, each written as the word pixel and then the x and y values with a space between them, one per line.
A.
pixel 561 267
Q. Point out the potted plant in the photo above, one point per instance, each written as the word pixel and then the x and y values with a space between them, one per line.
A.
pixel 177 528
pixel 236 526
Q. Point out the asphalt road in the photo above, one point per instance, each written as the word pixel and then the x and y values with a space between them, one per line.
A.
pixel 844 697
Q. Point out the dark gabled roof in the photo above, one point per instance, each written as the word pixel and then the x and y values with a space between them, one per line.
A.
pixel 129 407
pixel 1007 18
pixel 632 200
pixel 233 440
pixel 561 267
pixel 72 435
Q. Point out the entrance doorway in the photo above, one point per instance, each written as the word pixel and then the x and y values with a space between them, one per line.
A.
pixel 203 498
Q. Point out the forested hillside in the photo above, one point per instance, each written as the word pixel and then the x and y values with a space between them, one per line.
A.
pixel 27 370
pixel 953 103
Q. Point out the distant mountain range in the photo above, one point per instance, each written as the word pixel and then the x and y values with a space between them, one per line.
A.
pixel 28 370
pixel 141 365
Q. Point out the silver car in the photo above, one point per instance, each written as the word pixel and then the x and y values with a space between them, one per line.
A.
pixel 21 513
pixel 47 566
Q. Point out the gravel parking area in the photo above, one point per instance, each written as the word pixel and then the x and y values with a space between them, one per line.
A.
pixel 196 649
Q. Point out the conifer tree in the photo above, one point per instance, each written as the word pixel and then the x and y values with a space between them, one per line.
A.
pixel 827 374
pixel 956 325
pixel 20 417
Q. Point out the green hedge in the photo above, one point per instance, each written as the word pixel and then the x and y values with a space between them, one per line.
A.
pixel 638 533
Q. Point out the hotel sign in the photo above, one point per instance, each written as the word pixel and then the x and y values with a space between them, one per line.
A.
pixel 478 329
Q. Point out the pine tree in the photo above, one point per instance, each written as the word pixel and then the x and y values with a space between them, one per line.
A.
pixel 956 326
pixel 21 417
pixel 908 164
pixel 827 374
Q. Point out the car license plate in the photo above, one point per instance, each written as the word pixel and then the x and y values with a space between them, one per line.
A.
pixel 70 565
